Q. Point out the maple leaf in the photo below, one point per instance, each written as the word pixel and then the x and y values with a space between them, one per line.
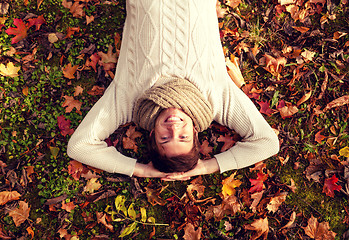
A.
pixel 64 126
pixel 274 65
pixel 70 103
pixel 101 218
pixel 228 140
pixel 68 206
pixel 261 226
pixel 92 185
pixel 77 10
pixel 190 233
pixel 229 185
pixel 330 186
pixel 20 214
pixel 94 59
pixel 9 70
pixel 318 231
pixel 8 196
pixel 71 31
pixel 205 148
pixel 129 142
pixel 276 202
pixel 108 60
pixel 69 71
pixel 37 22
pixel 265 108
pixel 78 91
pixel 75 169
pixel 20 31
pixel 257 184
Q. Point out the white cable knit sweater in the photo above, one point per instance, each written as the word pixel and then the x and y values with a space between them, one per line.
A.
pixel 171 38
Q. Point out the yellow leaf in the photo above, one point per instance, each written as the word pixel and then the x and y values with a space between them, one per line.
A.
pixel 9 70
pixel 344 152
pixel 131 211
pixel 92 185
pixel 229 185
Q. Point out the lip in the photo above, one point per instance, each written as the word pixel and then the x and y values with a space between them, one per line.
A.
pixel 173 119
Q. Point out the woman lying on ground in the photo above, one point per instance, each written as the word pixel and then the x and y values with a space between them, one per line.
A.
pixel 171 80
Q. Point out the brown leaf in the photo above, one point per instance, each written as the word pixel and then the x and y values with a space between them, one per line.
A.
pixel 20 214
pixel 78 91
pixel 337 103
pixel 261 226
pixel 68 206
pixel 276 202
pixel 101 218
pixel 70 103
pixel 75 169
pixel 292 219
pixel 190 233
pixel 7 196
pixel 69 71
pixel 319 137
pixel 256 199
pixel 77 10
pixel 234 71
pixel 318 231
pixel 304 98
pixel 89 19
pixel 153 196
pixel 205 148
pixel 286 109
pixel 109 59
pixel 96 90
pixel 274 65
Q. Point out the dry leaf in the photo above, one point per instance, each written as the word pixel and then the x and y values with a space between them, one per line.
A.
pixel 69 71
pixel 304 98
pixel 256 199
pixel 78 91
pixel 7 196
pixel 101 218
pixel 261 226
pixel 318 231
pixel 292 219
pixel 92 185
pixel 70 103
pixel 153 196
pixel 190 233
pixel 337 103
pixel 20 214
pixel 9 70
pixel 276 202
pixel 229 185
pixel 68 206
pixel 234 71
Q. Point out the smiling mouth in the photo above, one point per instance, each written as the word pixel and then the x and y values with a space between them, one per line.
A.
pixel 173 119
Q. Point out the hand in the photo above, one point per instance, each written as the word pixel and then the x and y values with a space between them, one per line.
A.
pixel 202 167
pixel 148 170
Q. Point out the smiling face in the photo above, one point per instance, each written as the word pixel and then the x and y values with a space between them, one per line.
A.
pixel 174 132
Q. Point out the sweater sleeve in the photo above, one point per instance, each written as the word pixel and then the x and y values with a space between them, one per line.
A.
pixel 259 141
pixel 87 144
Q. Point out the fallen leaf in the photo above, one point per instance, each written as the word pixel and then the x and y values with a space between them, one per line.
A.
pixel 261 226
pixel 318 231
pixel 301 29
pixel 89 19
pixel 257 184
pixel 20 31
pixel 292 219
pixel 101 218
pixel 275 202
pixel 233 3
pixel 229 185
pixel 37 22
pixel 71 31
pixel 286 109
pixel 108 60
pixel 20 214
pixel 228 140
pixel 153 196
pixel 344 152
pixel 69 71
pixel 318 137
pixel 337 103
pixel 30 232
pixel 68 206
pixel 75 169
pixel 257 196
pixel 265 108
pixel 96 91
pixel 304 98
pixel 77 9
pixel 92 185
pixel 8 196
pixel 64 126
pixel 78 91
pixel 274 65
pixel 220 11
pixel 234 71
pixel 94 59
pixel 66 4
pixel 9 70
pixel 205 148
pixel 70 103
pixel 330 186
pixel 4 8
pixel 308 55
pixel 190 233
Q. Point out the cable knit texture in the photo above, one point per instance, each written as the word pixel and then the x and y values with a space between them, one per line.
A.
pixel 163 39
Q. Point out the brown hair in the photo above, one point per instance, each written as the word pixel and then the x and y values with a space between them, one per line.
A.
pixel 180 163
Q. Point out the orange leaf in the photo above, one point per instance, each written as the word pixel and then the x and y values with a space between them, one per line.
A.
pixel 233 3
pixel 75 169
pixel 7 196
pixel 261 226
pixel 77 10
pixel 78 91
pixel 69 71
pixel 37 22
pixel 96 90
pixel 228 140
pixel 318 231
pixel 20 214
pixel 70 103
pixel 68 206
pixel 319 137
pixel 101 218
pixel 301 29
pixel 337 103
pixel 30 232
pixel 276 202
pixel 274 65
pixel 234 71
pixel 286 109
